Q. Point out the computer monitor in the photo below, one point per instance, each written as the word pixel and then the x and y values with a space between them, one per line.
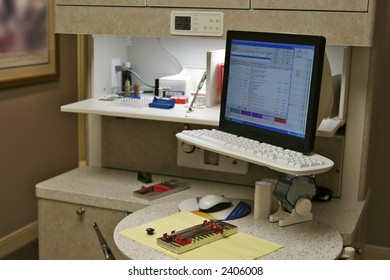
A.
pixel 271 87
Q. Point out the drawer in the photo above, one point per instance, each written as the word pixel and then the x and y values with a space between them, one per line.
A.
pixel 66 231
pixel 323 5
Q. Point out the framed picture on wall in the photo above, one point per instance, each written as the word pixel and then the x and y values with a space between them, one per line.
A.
pixel 27 42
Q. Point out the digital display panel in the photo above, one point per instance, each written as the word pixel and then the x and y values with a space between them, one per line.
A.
pixel 183 23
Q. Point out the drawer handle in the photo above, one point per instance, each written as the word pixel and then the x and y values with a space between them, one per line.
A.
pixel 80 211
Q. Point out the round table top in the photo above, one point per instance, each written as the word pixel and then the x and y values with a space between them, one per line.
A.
pixel 308 240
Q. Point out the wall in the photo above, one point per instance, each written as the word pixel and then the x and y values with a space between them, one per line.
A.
pixel 37 140
pixel 116 47
pixel 378 225
pixel 150 60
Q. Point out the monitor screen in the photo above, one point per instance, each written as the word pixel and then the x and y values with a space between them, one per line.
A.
pixel 271 87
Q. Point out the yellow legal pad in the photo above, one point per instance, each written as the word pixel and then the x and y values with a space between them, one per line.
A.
pixel 239 246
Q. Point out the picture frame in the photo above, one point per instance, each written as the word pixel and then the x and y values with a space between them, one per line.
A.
pixel 36 61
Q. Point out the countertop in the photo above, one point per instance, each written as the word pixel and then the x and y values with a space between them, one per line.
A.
pixel 113 189
pixel 310 240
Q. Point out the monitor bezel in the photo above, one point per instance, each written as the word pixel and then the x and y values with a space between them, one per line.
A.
pixel 305 144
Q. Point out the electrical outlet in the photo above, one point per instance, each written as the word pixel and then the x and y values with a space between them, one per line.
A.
pixel 129 41
pixel 197 23
pixel 194 157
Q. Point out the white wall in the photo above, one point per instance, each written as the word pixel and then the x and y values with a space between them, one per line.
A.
pixel 105 49
pixel 150 60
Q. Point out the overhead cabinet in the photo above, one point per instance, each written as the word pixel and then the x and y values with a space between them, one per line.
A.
pixel 128 3
pixel 323 5
pixel 204 4
pixel 228 4
pixel 342 22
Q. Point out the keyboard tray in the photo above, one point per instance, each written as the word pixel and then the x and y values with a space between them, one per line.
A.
pixel 203 138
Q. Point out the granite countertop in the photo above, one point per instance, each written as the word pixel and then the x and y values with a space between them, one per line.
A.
pixel 113 189
pixel 310 240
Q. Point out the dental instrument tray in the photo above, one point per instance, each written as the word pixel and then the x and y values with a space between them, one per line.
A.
pixel 196 236
pixel 162 103
pixel 161 189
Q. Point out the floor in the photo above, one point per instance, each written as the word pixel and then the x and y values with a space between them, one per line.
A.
pixel 27 252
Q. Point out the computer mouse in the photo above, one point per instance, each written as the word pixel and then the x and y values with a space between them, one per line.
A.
pixel 213 203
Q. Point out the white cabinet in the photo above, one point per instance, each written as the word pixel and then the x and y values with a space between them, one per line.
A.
pixel 323 5
pixel 129 3
pixel 228 4
pixel 66 231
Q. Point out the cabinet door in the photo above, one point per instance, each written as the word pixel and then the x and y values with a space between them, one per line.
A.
pixel 130 3
pixel 323 5
pixel 66 231
pixel 231 4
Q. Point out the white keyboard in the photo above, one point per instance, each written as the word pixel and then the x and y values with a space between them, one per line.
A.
pixel 277 158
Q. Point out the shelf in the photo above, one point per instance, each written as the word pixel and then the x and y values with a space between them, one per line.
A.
pixel 205 116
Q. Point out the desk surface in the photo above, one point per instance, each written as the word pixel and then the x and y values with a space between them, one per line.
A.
pixel 309 240
pixel 205 116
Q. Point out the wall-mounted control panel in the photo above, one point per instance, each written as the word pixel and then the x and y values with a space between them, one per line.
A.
pixel 197 23
pixel 194 157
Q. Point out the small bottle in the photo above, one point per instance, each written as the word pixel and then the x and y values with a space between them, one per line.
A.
pixel 126 76
pixel 136 89
pixel 127 88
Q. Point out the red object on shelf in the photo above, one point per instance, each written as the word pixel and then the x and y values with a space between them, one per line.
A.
pixel 180 99
pixel 221 68
pixel 161 188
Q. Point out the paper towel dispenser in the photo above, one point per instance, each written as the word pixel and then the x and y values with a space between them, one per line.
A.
pixel 332 110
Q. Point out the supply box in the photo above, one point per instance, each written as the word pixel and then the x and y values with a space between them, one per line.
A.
pixel 176 85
